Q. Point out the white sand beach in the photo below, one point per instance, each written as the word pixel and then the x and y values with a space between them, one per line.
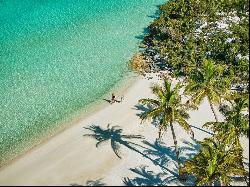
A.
pixel 71 158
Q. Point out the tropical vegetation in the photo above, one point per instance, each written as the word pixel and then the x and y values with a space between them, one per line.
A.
pixel 218 161
pixel 207 82
pixel 168 109
pixel 206 45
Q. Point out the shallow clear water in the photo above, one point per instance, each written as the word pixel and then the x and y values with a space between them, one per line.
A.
pixel 57 56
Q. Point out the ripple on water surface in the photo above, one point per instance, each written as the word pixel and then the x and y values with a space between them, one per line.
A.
pixel 56 57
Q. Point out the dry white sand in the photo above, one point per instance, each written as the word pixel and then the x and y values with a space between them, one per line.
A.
pixel 69 158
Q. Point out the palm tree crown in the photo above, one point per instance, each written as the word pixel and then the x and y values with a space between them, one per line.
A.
pixel 216 161
pixel 235 119
pixel 168 109
pixel 207 82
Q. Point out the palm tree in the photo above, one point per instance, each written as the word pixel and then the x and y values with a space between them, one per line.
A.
pixel 168 109
pixel 207 83
pixel 235 120
pixel 216 161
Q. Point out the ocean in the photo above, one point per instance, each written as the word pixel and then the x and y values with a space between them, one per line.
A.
pixel 59 56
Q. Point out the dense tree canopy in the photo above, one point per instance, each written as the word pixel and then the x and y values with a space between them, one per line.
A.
pixel 187 32
pixel 206 42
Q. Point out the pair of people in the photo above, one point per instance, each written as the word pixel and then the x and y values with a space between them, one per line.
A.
pixel 113 100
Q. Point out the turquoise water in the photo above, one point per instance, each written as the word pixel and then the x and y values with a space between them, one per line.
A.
pixel 57 56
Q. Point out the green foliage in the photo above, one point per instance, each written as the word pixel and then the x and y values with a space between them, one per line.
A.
pixel 217 161
pixel 207 43
pixel 167 107
pixel 207 82
pixel 187 33
pixel 236 121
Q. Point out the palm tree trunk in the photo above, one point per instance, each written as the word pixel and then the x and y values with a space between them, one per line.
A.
pixel 176 146
pixel 212 108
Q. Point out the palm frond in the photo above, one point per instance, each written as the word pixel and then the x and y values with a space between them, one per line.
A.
pixel 148 101
pixel 198 97
pixel 183 123
pixel 151 114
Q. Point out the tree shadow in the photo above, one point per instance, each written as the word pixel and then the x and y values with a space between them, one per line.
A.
pixel 240 179
pixel 246 163
pixel 149 178
pixel 190 149
pixel 157 13
pixel 143 109
pixel 146 178
pixel 210 133
pixel 164 155
pixel 157 152
pixel 146 30
pixel 116 138
pixel 114 135
pixel 161 154
pixel 144 33
pixel 97 182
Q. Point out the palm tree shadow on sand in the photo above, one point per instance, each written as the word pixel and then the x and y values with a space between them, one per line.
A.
pixel 162 154
pixel 143 109
pixel 117 139
pixel 190 149
pixel 157 152
pixel 146 177
pixel 97 182
pixel 114 135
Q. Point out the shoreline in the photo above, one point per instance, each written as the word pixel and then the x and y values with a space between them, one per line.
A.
pixel 120 87
pixel 55 60
pixel 77 136
pixel 125 86
pixel 70 158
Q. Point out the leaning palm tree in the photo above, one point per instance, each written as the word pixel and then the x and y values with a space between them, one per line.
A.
pixel 217 161
pixel 207 83
pixel 168 109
